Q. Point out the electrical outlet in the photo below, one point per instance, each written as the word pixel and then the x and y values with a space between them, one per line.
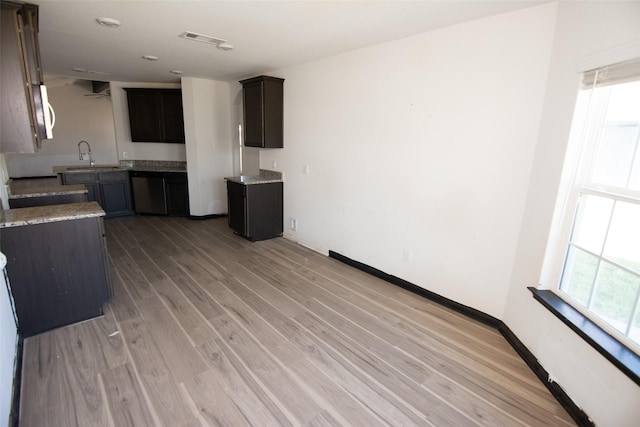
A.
pixel 407 255
pixel 125 155
pixel 274 164
pixel 305 169
pixel 293 224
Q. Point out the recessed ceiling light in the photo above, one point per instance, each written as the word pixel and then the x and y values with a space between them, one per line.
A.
pixel 79 70
pixel 176 72
pixel 104 73
pixel 150 57
pixel 108 22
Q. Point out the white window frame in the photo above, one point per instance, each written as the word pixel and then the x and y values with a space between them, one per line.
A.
pixel 580 156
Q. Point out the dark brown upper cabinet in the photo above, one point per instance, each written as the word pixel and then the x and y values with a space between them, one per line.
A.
pixel 23 107
pixel 262 99
pixel 155 115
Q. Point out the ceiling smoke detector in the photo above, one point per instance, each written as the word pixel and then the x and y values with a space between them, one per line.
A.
pixel 108 22
pixel 203 38
pixel 225 46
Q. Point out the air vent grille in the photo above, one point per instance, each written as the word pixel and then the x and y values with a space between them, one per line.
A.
pixel 190 35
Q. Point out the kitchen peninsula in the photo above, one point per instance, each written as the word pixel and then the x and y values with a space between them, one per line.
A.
pixel 57 264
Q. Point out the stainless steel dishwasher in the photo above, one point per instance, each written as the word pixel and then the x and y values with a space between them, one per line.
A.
pixel 148 192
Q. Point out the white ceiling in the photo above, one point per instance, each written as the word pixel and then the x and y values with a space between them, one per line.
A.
pixel 267 35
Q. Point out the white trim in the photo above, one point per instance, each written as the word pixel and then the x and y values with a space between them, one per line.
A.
pixel 621 53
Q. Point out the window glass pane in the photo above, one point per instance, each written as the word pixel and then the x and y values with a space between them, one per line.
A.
pixel 615 295
pixel 615 154
pixel 624 103
pixel 618 161
pixel 623 240
pixel 579 275
pixel 592 219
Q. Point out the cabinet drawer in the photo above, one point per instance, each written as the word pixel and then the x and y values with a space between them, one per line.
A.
pixel 79 178
pixel 234 187
pixel 113 176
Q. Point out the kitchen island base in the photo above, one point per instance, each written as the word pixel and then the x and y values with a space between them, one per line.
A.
pixel 58 271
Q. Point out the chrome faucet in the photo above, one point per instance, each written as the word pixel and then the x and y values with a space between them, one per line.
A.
pixel 81 154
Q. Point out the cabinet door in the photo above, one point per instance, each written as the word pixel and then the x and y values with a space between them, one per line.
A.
pixel 32 55
pixel 144 115
pixel 177 193
pixel 264 211
pixel 172 117
pixel 114 198
pixel 253 114
pixel 57 272
pixel 263 111
pixel 237 204
pixel 86 179
pixel 115 193
pixel 19 134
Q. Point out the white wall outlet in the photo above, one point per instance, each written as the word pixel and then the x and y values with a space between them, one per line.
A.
pixel 293 224
pixel 125 155
pixel 274 164
pixel 305 169
pixel 407 255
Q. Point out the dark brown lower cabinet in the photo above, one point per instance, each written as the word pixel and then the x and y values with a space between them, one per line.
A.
pixel 255 210
pixel 176 191
pixel 111 190
pixel 58 199
pixel 58 271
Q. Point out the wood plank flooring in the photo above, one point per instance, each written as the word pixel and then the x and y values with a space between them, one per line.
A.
pixel 207 329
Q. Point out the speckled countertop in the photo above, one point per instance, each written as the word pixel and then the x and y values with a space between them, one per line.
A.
pixel 128 165
pixel 50 213
pixel 154 165
pixel 265 177
pixel 49 190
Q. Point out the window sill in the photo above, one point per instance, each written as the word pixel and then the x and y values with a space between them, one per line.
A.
pixel 608 346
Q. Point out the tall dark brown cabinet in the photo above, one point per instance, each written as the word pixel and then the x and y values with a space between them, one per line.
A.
pixel 263 112
pixel 23 109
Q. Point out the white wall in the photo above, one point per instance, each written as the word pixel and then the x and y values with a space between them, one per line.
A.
pixel 139 150
pixel 608 396
pixel 8 343
pixel 78 117
pixel 420 148
pixel 210 143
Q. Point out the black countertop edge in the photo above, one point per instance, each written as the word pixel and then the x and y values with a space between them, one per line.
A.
pixel 608 346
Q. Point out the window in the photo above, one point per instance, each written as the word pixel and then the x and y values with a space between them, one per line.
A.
pixel 600 275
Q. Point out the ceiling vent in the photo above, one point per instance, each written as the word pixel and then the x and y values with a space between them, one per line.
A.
pixel 189 35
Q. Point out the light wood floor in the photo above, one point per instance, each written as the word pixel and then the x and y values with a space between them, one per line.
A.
pixel 208 329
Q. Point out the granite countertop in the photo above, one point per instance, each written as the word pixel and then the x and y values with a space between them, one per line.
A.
pixel 154 165
pixel 128 165
pixel 265 177
pixel 50 213
pixel 86 168
pixel 49 190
